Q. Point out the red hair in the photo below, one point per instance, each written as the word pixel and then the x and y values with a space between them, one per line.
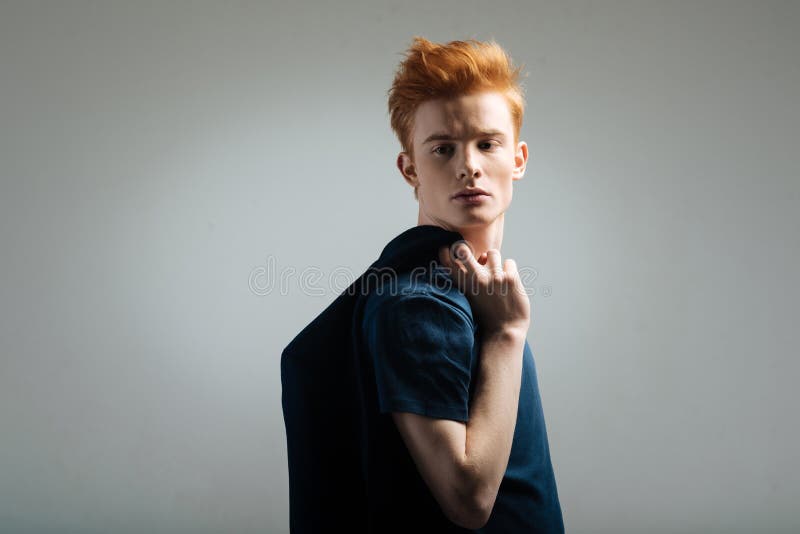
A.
pixel 431 71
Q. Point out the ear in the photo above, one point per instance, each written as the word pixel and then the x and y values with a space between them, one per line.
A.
pixel 407 169
pixel 520 160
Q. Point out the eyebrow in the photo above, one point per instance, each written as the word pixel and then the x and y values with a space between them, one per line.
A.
pixel 448 137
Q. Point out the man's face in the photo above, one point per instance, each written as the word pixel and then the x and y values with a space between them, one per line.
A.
pixel 462 143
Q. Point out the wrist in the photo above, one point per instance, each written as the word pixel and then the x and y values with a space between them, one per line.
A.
pixel 507 333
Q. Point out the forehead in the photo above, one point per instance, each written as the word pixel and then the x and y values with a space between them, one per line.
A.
pixel 463 116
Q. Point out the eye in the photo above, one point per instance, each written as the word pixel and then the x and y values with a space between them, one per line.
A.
pixel 438 152
pixel 489 144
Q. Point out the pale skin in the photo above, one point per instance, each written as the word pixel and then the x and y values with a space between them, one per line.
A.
pixel 441 168
pixel 463 463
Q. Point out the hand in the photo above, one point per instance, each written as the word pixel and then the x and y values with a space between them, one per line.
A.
pixel 494 289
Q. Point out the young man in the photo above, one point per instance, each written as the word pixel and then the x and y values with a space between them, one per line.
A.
pixel 456 430
pixel 411 402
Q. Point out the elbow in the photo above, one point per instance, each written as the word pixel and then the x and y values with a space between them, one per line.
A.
pixel 472 515
pixel 473 508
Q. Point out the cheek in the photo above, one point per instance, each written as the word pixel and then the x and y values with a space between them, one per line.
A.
pixel 432 178
pixel 504 193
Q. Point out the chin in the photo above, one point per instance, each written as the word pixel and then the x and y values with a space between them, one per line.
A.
pixel 472 219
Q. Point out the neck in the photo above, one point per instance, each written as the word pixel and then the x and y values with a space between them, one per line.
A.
pixel 480 237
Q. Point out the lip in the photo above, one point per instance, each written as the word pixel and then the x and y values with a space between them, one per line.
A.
pixel 471 191
pixel 472 200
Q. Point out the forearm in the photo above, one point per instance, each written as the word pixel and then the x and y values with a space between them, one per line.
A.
pixel 493 413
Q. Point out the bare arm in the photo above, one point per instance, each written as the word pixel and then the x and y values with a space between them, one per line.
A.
pixel 463 463
pixel 493 416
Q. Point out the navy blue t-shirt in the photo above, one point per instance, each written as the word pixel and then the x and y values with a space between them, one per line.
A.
pixel 421 349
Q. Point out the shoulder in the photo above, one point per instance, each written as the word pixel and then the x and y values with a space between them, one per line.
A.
pixel 426 291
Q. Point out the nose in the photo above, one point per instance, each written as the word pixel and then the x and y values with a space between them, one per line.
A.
pixel 468 166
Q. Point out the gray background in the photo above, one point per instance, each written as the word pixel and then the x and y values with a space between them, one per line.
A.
pixel 156 155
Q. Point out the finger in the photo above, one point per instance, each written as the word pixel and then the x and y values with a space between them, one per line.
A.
pixel 511 268
pixel 462 253
pixel 473 271
pixel 453 262
pixel 493 263
pixel 512 273
pixel 454 269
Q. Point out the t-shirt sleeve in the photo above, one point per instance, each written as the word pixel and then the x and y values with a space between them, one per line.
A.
pixel 422 349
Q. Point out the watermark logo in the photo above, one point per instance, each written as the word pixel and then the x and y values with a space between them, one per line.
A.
pixel 311 280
